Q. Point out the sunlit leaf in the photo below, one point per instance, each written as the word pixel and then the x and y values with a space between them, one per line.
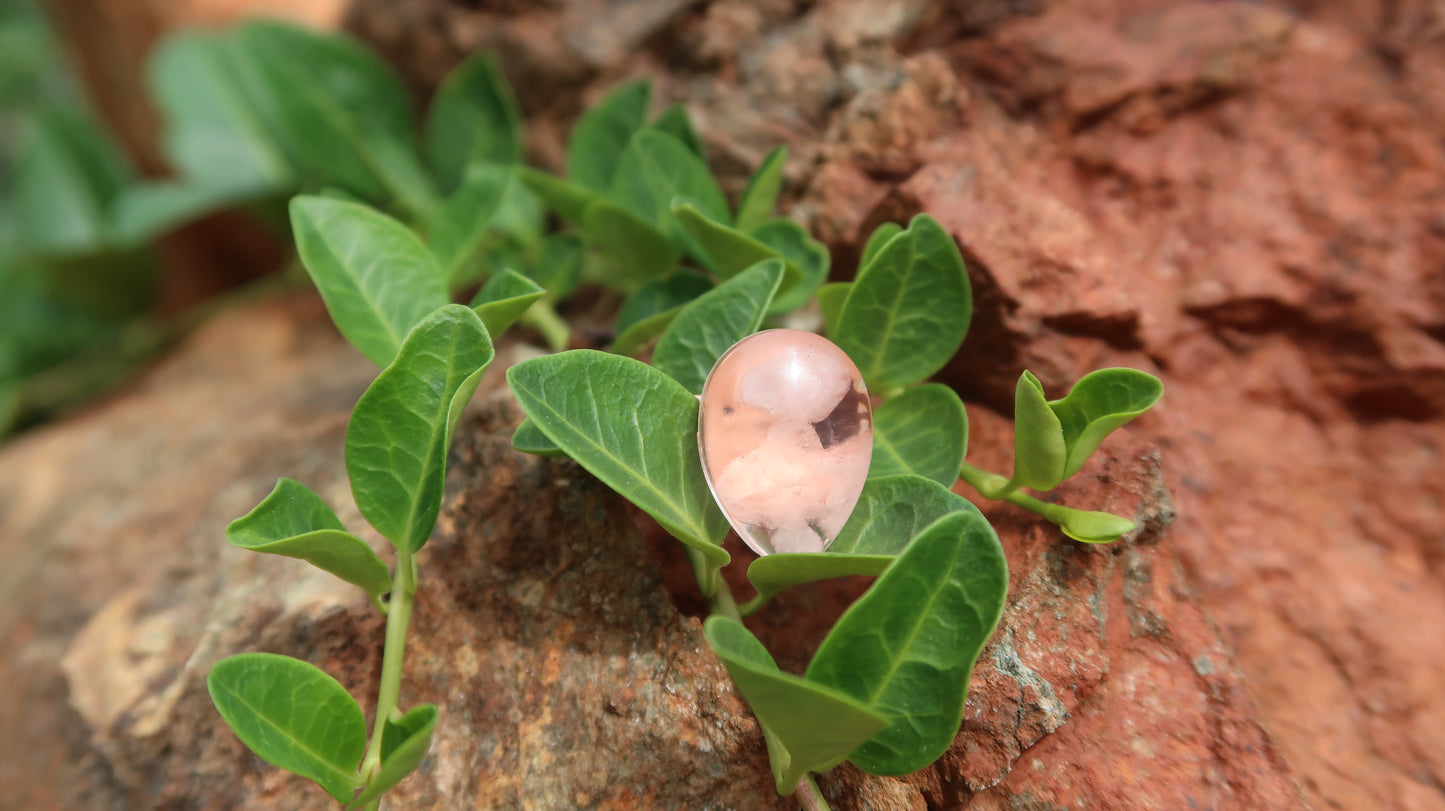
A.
pixel 292 715
pixel 806 726
pixel 401 428
pixel 906 648
pixel 634 428
pixel 295 522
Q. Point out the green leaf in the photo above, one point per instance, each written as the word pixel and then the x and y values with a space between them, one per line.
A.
pixel 1039 449
pixel 375 275
pixel 295 522
pixel 660 295
pixel 457 228
pixel 880 237
pixel 811 257
pixel 906 648
pixel 528 438
pixel 771 574
pixel 830 301
pixel 1099 403
pixel 66 178
pixel 675 122
pixel 1092 527
pixel 336 109
pixel 636 251
pixel 403 745
pixel 294 716
pixel 631 341
pixel 655 171
pixel 566 199
pixel 401 428
pixel 603 132
pixel 634 428
pixel 908 310
pixel 891 512
pixel 730 250
pixel 923 431
pixel 710 324
pixel 212 131
pixel 558 264
pixel 503 299
pixel 147 209
pixel 761 195
pixel 473 119
pixel 807 727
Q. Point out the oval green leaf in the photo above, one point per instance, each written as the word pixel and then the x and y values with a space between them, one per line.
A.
pixel 635 251
pixel 909 308
pixel 710 324
pixel 656 171
pixel 792 242
pixel 891 511
pixel 1099 403
pixel 771 574
pixel 807 727
pixel 212 132
pixel 633 340
pixel 66 178
pixel 566 199
pixel 457 227
pixel 374 274
pixel 602 134
pixel 675 122
pixel 880 237
pixel 923 431
pixel 660 295
pixel 503 299
pixel 403 745
pixel 401 428
pixel 1039 449
pixel 473 118
pixel 731 250
pixel 632 427
pixel 336 109
pixel 295 522
pixel 1091 526
pixel 294 716
pixel 907 647
pixel 528 438
pixel 761 195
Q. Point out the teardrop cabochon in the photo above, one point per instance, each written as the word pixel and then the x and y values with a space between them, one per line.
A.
pixel 785 431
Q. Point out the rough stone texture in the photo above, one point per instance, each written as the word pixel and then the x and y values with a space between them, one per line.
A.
pixel 1242 197
pixel 565 676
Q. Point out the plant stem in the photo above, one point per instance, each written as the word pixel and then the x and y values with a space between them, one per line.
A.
pixel 753 606
pixel 403 590
pixel 810 795
pixel 991 485
pixel 544 319
pixel 996 487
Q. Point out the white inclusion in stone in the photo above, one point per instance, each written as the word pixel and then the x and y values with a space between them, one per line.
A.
pixel 785 431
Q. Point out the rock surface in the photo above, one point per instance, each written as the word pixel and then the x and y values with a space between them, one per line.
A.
pixel 1243 198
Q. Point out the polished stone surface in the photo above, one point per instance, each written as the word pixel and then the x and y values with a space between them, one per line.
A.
pixel 786 435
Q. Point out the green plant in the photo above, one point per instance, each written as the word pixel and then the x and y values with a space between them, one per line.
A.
pixel 643 216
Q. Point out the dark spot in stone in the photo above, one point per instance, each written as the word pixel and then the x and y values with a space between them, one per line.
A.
pixel 844 421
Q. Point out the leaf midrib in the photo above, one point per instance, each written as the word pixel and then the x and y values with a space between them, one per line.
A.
pixel 913 633
pixel 256 713
pixel 642 479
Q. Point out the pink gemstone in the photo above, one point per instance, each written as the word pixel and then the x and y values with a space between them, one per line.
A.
pixel 786 435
